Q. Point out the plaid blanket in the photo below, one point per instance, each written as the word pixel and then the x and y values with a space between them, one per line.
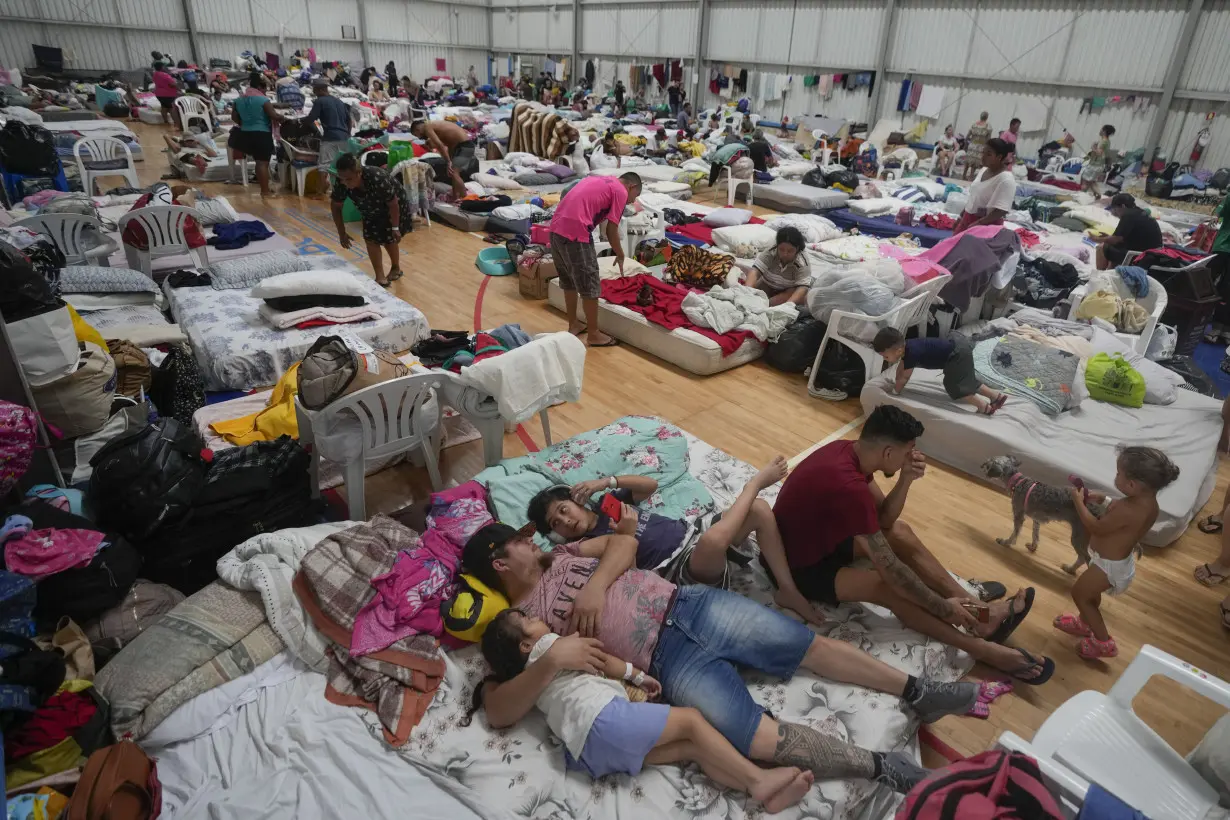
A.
pixel 333 584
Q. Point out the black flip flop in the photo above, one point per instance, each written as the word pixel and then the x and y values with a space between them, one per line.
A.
pixel 1208 526
pixel 1048 669
pixel 989 591
pixel 385 285
pixel 1014 619
pixel 611 343
pixel 395 275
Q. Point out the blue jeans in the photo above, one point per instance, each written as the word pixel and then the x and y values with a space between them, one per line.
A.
pixel 705 635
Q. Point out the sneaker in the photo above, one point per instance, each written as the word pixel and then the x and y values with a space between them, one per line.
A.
pixel 900 773
pixel 828 394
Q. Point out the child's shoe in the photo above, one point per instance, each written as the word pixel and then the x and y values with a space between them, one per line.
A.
pixel 1091 648
pixel 1072 624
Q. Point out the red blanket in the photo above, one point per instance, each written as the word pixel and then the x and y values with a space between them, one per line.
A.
pixel 666 310
pixel 701 231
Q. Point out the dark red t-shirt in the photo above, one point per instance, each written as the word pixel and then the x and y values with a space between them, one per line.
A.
pixel 824 502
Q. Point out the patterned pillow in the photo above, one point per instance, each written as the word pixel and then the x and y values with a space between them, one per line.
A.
pixel 95 279
pixel 247 271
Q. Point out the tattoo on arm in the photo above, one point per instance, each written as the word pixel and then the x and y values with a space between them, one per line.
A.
pixel 828 757
pixel 903 579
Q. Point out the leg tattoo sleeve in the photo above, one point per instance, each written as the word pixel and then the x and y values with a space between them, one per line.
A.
pixel 827 757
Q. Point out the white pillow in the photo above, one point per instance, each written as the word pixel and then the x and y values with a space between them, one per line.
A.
pixel 309 283
pixel 725 217
pixel 668 187
pixel 494 181
pixel 745 241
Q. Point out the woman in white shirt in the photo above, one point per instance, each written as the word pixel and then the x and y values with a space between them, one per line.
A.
pixel 993 189
pixel 945 151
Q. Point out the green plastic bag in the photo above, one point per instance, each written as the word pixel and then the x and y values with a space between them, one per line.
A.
pixel 400 150
pixel 350 211
pixel 1111 378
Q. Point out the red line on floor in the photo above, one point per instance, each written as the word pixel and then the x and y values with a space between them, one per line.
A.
pixel 478 324
pixel 926 736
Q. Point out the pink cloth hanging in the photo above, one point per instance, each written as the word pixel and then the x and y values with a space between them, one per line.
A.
pixel 926 265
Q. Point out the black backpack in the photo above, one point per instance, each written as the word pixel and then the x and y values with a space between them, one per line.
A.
pixel 176 387
pixel 147 479
pixel 27 149
pixel 115 108
pixel 1221 179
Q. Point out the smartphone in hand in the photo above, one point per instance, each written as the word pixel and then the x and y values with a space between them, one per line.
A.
pixel 612 506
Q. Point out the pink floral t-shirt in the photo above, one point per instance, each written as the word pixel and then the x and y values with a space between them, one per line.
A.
pixel 636 605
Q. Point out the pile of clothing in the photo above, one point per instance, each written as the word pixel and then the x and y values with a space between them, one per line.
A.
pixel 311 299
pixel 454 349
pixel 1042 283
pixel 739 308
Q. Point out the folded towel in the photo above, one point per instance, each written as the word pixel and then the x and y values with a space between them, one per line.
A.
pixel 531 378
pixel 286 319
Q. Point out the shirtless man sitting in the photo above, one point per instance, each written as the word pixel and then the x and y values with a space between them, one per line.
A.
pixel 830 512
pixel 691 639
pixel 453 143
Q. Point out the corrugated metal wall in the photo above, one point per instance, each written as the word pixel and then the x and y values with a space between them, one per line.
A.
pixel 1208 61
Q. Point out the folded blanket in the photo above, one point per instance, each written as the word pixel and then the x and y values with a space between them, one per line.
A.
pixel 334 584
pixel 214 636
pixel 286 319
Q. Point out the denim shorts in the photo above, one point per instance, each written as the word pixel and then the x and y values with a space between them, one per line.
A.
pixel 623 734
pixel 706 635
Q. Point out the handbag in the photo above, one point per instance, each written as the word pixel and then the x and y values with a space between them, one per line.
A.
pixel 1112 379
pixel 119 782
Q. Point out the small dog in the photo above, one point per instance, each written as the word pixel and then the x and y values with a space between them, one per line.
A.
pixel 1042 503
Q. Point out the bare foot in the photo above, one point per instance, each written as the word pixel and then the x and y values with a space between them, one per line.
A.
pixel 771 473
pixel 998 612
pixel 797 603
pixel 794 790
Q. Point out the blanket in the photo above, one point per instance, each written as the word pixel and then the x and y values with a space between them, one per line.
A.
pixel 739 308
pixel 334 585
pixel 1041 374
pixel 286 319
pixel 533 377
pixel 212 637
pixel 519 772
pixel 539 132
pixel 666 308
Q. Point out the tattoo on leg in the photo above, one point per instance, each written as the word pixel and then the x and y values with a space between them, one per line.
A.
pixel 828 758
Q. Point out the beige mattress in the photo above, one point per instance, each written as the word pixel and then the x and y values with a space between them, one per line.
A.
pixel 681 347
pixel 1077 442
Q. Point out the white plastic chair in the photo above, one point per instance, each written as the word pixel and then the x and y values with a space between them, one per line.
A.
pixel 191 107
pixel 1154 303
pixel 394 417
pixel 843 325
pixel 99 150
pixel 732 185
pixel 165 236
pixel 67 232
pixel 1097 738
pixel 299 172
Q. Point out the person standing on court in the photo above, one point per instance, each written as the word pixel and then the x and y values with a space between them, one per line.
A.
pixel 591 201
pixel 335 119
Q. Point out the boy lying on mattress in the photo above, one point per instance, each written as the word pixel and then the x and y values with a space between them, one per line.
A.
pixel 683 552
pixel 690 639
pixel 954 356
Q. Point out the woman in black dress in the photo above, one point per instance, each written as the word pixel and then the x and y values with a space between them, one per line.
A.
pixel 385 208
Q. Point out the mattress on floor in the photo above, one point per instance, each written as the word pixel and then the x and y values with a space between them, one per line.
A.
pixel 270 738
pixel 143 325
pixel 461 220
pixel 164 265
pixel 786 195
pixel 236 349
pixel 681 347
pixel 650 173
pixel 1076 442
pixel 885 226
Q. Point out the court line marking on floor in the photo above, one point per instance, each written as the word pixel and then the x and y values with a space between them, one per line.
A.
pixel 840 432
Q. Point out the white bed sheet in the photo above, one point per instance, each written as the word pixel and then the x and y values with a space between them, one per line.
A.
pixel 652 173
pixel 1076 442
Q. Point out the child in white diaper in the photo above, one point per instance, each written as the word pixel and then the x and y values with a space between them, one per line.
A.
pixel 1114 541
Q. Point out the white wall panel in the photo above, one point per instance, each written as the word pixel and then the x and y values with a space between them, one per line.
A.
pixel 328 16
pixel 598 29
pixel 279 18
pixel 141 43
pixel 19 8
pixel 154 15
pixel 921 25
pixel 532 28
pixel 15 42
pixel 89 48
pixel 428 22
pixel 470 26
pixel 223 16
pixel 835 35
pixel 228 46
pixel 1186 119
pixel 1208 62
pixel 73 11
pixel 1015 42
pixel 733 30
pixel 349 51
pixel 419 61
pixel 1125 42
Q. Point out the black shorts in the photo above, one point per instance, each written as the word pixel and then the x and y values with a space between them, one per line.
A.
pixel 1114 254
pixel 167 103
pixel 256 144
pixel 819 581
pixel 960 376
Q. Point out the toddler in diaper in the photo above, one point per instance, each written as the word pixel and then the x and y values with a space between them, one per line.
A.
pixel 1114 541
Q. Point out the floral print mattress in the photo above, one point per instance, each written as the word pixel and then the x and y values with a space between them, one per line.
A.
pixel 519 772
pixel 236 349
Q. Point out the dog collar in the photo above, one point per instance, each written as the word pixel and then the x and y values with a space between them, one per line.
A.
pixel 1014 481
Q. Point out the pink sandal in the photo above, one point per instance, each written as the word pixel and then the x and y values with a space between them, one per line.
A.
pixel 1072 624
pixel 1091 648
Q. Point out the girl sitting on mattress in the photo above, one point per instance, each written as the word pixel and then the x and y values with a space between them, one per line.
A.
pixel 604 732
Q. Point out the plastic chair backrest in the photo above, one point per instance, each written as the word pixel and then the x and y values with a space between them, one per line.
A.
pixel 388 413
pixel 929 289
pixel 100 149
pixel 191 107
pixel 64 230
pixel 164 227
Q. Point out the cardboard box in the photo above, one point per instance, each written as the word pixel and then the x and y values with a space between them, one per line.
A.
pixel 533 278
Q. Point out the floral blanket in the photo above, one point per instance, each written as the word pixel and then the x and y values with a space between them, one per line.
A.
pixel 519 772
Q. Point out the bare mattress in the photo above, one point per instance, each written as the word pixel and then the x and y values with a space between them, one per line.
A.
pixel 1081 441
pixel 681 347
pixel 786 195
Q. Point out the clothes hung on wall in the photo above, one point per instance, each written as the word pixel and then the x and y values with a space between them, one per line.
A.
pixel 677 70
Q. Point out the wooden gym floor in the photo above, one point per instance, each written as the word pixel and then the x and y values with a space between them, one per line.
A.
pixel 754 413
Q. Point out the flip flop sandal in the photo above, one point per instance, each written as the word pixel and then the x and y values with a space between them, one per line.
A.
pixel 1208 526
pixel 991 690
pixel 385 285
pixel 988 591
pixel 1211 578
pixel 611 343
pixel 1072 625
pixel 395 275
pixel 1048 669
pixel 1014 619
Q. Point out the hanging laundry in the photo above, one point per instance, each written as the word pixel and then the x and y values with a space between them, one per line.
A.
pixel 441 64
pixel 590 72
pixel 659 74
pixel 851 82
pixel 677 70
pixel 770 86
pixel 713 81
pixel 826 86
pixel 903 99
pixel 741 82
pixel 915 95
pixel 810 80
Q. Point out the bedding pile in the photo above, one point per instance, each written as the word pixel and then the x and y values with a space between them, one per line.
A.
pixel 739 308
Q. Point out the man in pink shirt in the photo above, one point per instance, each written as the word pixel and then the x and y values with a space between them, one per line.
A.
pixel 592 200
pixel 1010 137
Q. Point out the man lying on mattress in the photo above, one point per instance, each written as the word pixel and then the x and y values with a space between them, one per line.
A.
pixel 691 639
pixel 683 552
pixel 830 512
